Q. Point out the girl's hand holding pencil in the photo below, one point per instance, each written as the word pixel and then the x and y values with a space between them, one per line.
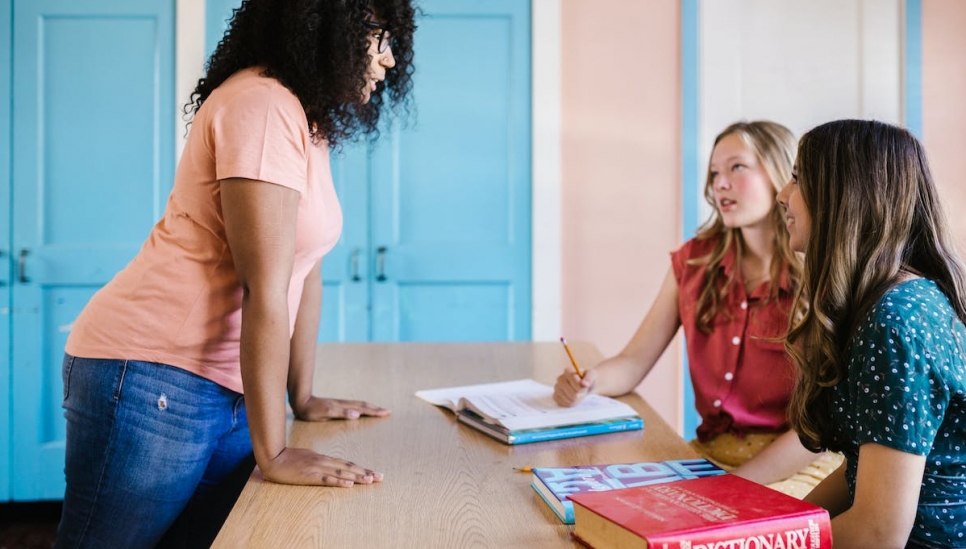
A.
pixel 571 355
pixel 574 384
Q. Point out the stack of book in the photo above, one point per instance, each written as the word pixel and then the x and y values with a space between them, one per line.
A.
pixel 716 512
pixel 556 484
pixel 523 411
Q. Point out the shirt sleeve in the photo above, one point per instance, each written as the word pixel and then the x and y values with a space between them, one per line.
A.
pixel 679 260
pixel 261 133
pixel 898 400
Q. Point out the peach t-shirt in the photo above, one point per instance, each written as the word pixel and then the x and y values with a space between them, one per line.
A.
pixel 179 301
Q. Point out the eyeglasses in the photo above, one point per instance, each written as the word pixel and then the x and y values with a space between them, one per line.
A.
pixel 385 38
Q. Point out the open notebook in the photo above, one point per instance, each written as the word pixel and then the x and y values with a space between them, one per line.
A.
pixel 525 406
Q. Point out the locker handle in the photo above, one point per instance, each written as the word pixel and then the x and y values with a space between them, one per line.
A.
pixel 354 260
pixel 2 283
pixel 22 261
pixel 381 264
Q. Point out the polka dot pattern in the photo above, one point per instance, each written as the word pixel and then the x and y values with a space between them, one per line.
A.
pixel 906 389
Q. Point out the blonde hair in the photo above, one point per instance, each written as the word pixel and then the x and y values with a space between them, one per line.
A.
pixel 774 147
pixel 875 214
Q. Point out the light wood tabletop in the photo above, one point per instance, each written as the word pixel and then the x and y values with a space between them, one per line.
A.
pixel 446 485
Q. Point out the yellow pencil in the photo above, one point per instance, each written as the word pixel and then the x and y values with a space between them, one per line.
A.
pixel 524 469
pixel 572 359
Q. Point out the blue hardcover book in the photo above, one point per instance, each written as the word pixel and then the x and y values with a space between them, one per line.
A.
pixel 527 436
pixel 555 484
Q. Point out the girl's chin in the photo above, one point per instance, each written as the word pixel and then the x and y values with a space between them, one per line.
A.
pixel 735 223
pixel 745 221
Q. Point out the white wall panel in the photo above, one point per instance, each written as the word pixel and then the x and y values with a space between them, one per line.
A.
pixel 797 63
pixel 189 62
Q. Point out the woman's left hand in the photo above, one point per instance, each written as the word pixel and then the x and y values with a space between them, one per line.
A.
pixel 321 409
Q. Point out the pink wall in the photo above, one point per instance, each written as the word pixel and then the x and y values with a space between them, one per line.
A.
pixel 621 187
pixel 944 104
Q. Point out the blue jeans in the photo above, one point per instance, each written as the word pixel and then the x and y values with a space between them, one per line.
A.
pixel 156 456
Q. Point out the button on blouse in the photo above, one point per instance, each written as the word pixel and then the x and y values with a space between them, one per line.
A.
pixel 741 375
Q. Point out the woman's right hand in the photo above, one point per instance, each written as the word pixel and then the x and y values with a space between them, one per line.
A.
pixel 305 467
pixel 571 388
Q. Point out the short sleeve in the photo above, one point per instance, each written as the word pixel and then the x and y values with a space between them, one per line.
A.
pixel 261 133
pixel 679 260
pixel 897 400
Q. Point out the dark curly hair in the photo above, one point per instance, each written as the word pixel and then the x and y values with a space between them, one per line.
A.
pixel 318 49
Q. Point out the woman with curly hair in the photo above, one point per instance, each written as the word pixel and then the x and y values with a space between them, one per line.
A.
pixel 731 288
pixel 176 371
pixel 879 338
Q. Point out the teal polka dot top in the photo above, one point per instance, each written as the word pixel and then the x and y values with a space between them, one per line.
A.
pixel 906 389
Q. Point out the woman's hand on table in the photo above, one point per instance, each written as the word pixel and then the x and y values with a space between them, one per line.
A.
pixel 306 467
pixel 321 409
pixel 571 388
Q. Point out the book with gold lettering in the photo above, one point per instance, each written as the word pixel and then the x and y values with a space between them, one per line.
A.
pixel 716 512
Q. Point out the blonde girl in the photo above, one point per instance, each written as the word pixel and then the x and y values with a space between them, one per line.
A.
pixel 731 288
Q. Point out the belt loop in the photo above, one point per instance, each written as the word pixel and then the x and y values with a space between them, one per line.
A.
pixel 239 402
pixel 120 380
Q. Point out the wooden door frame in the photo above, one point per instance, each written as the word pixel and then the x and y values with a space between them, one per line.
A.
pixel 545 86
pixel 6 255
pixel 545 257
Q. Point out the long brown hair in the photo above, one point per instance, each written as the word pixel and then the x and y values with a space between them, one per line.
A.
pixel 875 214
pixel 774 146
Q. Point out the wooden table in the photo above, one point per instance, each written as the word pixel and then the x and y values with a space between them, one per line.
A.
pixel 446 485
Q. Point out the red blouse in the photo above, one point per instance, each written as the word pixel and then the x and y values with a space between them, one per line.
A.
pixel 742 382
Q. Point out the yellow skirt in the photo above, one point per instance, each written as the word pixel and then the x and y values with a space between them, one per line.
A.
pixel 729 451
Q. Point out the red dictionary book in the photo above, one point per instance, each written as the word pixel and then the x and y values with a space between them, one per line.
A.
pixel 717 512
